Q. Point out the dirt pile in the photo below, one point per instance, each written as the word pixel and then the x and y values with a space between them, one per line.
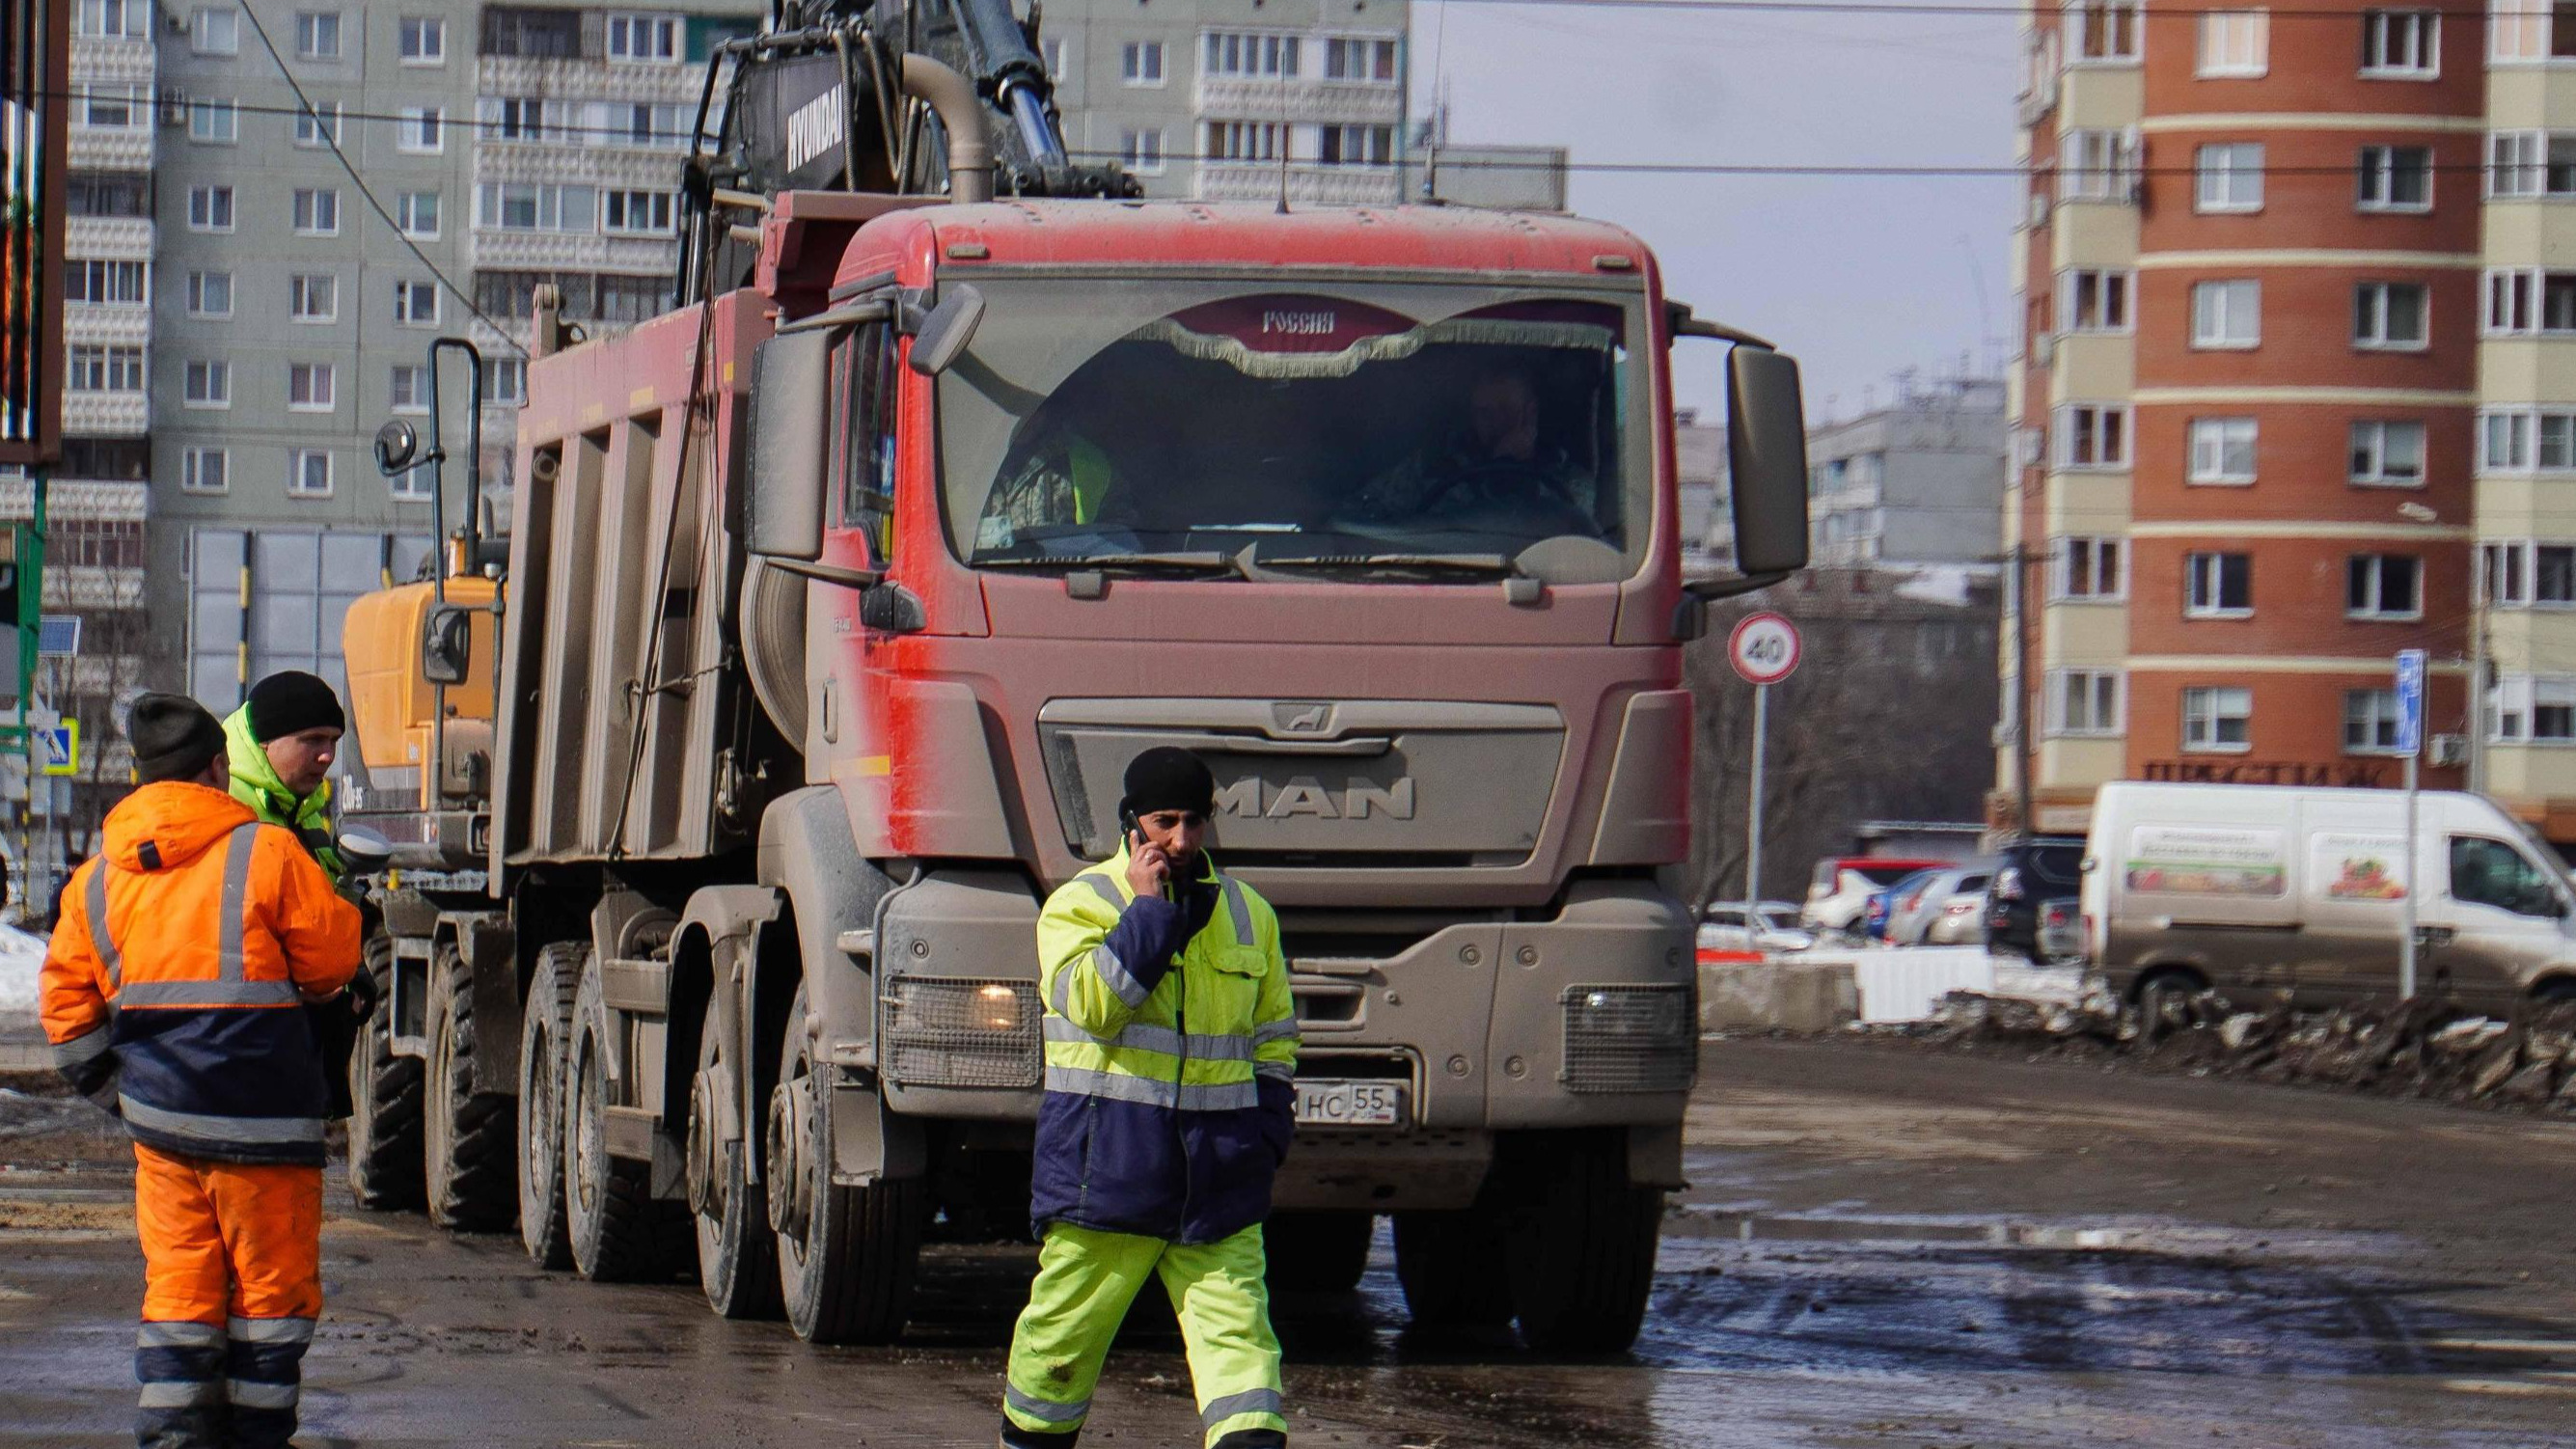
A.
pixel 2417 1048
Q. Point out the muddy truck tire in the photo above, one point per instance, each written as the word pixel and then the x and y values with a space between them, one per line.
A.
pixel 384 1105
pixel 1450 1265
pixel 737 1252
pixel 543 1028
pixel 847 1256
pixel 1317 1252
pixel 472 1161
pixel 619 1232
pixel 1579 1245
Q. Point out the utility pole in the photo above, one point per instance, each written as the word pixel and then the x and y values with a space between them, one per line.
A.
pixel 2025 699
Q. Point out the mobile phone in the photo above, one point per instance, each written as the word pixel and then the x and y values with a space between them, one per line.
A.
pixel 1135 829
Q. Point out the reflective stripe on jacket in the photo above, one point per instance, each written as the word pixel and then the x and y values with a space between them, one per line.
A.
pixel 256 785
pixel 1171 1051
pixel 173 987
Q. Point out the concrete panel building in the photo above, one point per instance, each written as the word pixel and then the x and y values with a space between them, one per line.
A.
pixel 1915 482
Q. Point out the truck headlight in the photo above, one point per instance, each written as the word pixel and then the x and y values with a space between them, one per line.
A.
pixel 1629 1038
pixel 950 1031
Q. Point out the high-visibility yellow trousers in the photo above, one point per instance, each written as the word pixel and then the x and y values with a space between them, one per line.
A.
pixel 232 1267
pixel 1085 1281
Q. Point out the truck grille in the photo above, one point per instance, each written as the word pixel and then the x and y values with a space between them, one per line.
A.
pixel 960 1031
pixel 1628 1038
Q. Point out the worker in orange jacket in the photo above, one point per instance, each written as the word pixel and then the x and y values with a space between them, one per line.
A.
pixel 174 994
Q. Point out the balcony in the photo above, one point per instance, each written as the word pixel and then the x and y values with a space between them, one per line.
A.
pixel 108 238
pixel 114 148
pixel 654 168
pixel 579 80
pixel 90 589
pixel 561 251
pixel 1314 185
pixel 112 60
pixel 1337 102
pixel 75 500
pixel 107 414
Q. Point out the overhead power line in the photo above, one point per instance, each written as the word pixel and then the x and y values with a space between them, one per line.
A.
pixel 1919 7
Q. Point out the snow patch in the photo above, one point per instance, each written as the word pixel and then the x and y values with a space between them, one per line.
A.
pixel 20 956
pixel 1937 584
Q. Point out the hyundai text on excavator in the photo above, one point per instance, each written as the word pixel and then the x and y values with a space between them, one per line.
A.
pixel 834 601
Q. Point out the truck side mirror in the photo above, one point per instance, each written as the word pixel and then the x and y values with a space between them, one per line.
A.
pixel 943 335
pixel 446 644
pixel 791 380
pixel 1766 440
pixel 395 445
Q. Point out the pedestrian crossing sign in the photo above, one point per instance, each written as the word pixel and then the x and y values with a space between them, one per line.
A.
pixel 58 748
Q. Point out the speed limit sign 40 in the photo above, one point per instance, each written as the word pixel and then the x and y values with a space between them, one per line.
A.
pixel 1763 648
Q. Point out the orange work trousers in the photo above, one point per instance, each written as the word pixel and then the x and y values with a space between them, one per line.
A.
pixel 232 1284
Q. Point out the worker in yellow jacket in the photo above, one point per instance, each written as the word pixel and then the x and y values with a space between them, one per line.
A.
pixel 174 994
pixel 1171 1053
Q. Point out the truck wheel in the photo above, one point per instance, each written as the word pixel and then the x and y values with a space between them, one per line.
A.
pixel 620 1233
pixel 473 1164
pixel 1580 1247
pixel 1449 1264
pixel 846 1255
pixel 1317 1252
pixel 384 1105
pixel 737 1254
pixel 542 1030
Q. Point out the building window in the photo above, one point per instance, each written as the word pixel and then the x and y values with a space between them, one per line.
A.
pixel 2084 702
pixel 632 299
pixel 513 118
pixel 1356 145
pixel 1236 54
pixel 2531 163
pixel 2383 586
pixel 2387 453
pixel 423 40
pixel 2218 720
pixel 2536 709
pixel 214 123
pixel 2528 300
pixel 209 384
pixel 210 294
pixel 2222 450
pixel 2504 440
pixel 313 298
pixel 2097 166
pixel 2388 316
pixel 2218 585
pixel 2088 569
pixel 2528 30
pixel 1141 151
pixel 98 367
pixel 318 125
pixel 654 38
pixel 317 35
pixel 1352 59
pixel 2401 43
pixel 2235 43
pixel 113 19
pixel 2395 178
pixel 311 387
pixel 215 32
pixel 505 380
pixel 1140 62
pixel 114 284
pixel 637 213
pixel 409 391
pixel 210 208
pixel 2370 721
pixel 412 486
pixel 416 212
pixel 2092 435
pixel 659 123
pixel 2095 301
pixel 112 108
pixel 1242 141
pixel 416 304
pixel 308 473
pixel 2525 574
pixel 204 470
pixel 2226 315
pixel 530 206
pixel 2228 176
pixel 421 130
pixel 317 210
pixel 107 196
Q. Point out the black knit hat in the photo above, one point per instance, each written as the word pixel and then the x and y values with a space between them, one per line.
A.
pixel 1167 777
pixel 289 701
pixel 174 737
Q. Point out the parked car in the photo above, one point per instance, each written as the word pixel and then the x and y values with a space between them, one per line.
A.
pixel 1882 904
pixel 2061 930
pixel 2250 888
pixel 1910 921
pixel 1721 928
pixel 1842 885
pixel 2028 872
pixel 1961 921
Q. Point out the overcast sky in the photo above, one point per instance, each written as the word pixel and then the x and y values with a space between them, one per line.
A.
pixel 1856 277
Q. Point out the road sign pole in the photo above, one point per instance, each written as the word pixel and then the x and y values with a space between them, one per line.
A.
pixel 1753 825
pixel 2406 902
pixel 2410 743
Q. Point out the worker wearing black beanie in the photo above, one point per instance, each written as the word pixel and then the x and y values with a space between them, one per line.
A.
pixel 283 742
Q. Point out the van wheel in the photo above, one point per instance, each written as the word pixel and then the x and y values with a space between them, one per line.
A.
pixel 2170 983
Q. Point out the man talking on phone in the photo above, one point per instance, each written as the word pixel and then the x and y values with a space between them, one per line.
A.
pixel 1171 1054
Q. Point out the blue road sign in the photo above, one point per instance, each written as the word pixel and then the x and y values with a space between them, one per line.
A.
pixel 2410 701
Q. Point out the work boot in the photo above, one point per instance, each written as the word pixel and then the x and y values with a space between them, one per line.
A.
pixel 1252 1439
pixel 1015 1437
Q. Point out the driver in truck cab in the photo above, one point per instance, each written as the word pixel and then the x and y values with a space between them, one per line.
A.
pixel 1171 1051
pixel 1497 467
pixel 280 745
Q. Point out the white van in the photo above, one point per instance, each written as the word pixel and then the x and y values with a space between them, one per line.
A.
pixel 2255 887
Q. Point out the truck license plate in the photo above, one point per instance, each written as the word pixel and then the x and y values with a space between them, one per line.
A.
pixel 1350 1104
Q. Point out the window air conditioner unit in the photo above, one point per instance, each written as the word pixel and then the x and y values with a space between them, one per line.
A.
pixel 174 106
pixel 2450 751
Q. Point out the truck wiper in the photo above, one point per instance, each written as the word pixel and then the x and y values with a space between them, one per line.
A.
pixel 1481 563
pixel 1207 561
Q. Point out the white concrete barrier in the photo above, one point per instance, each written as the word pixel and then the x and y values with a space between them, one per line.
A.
pixel 1905 983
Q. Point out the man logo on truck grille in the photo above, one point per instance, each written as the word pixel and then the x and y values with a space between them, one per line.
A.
pixel 1253 798
pixel 1302 719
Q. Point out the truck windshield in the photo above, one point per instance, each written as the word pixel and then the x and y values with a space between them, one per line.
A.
pixel 1395 435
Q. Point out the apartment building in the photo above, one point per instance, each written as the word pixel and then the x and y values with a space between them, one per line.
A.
pixel 1914 482
pixel 1230 100
pixel 2275 302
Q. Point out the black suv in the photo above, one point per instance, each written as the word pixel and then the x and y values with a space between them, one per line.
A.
pixel 2028 875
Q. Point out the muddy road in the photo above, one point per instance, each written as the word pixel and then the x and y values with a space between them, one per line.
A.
pixel 1884 1246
